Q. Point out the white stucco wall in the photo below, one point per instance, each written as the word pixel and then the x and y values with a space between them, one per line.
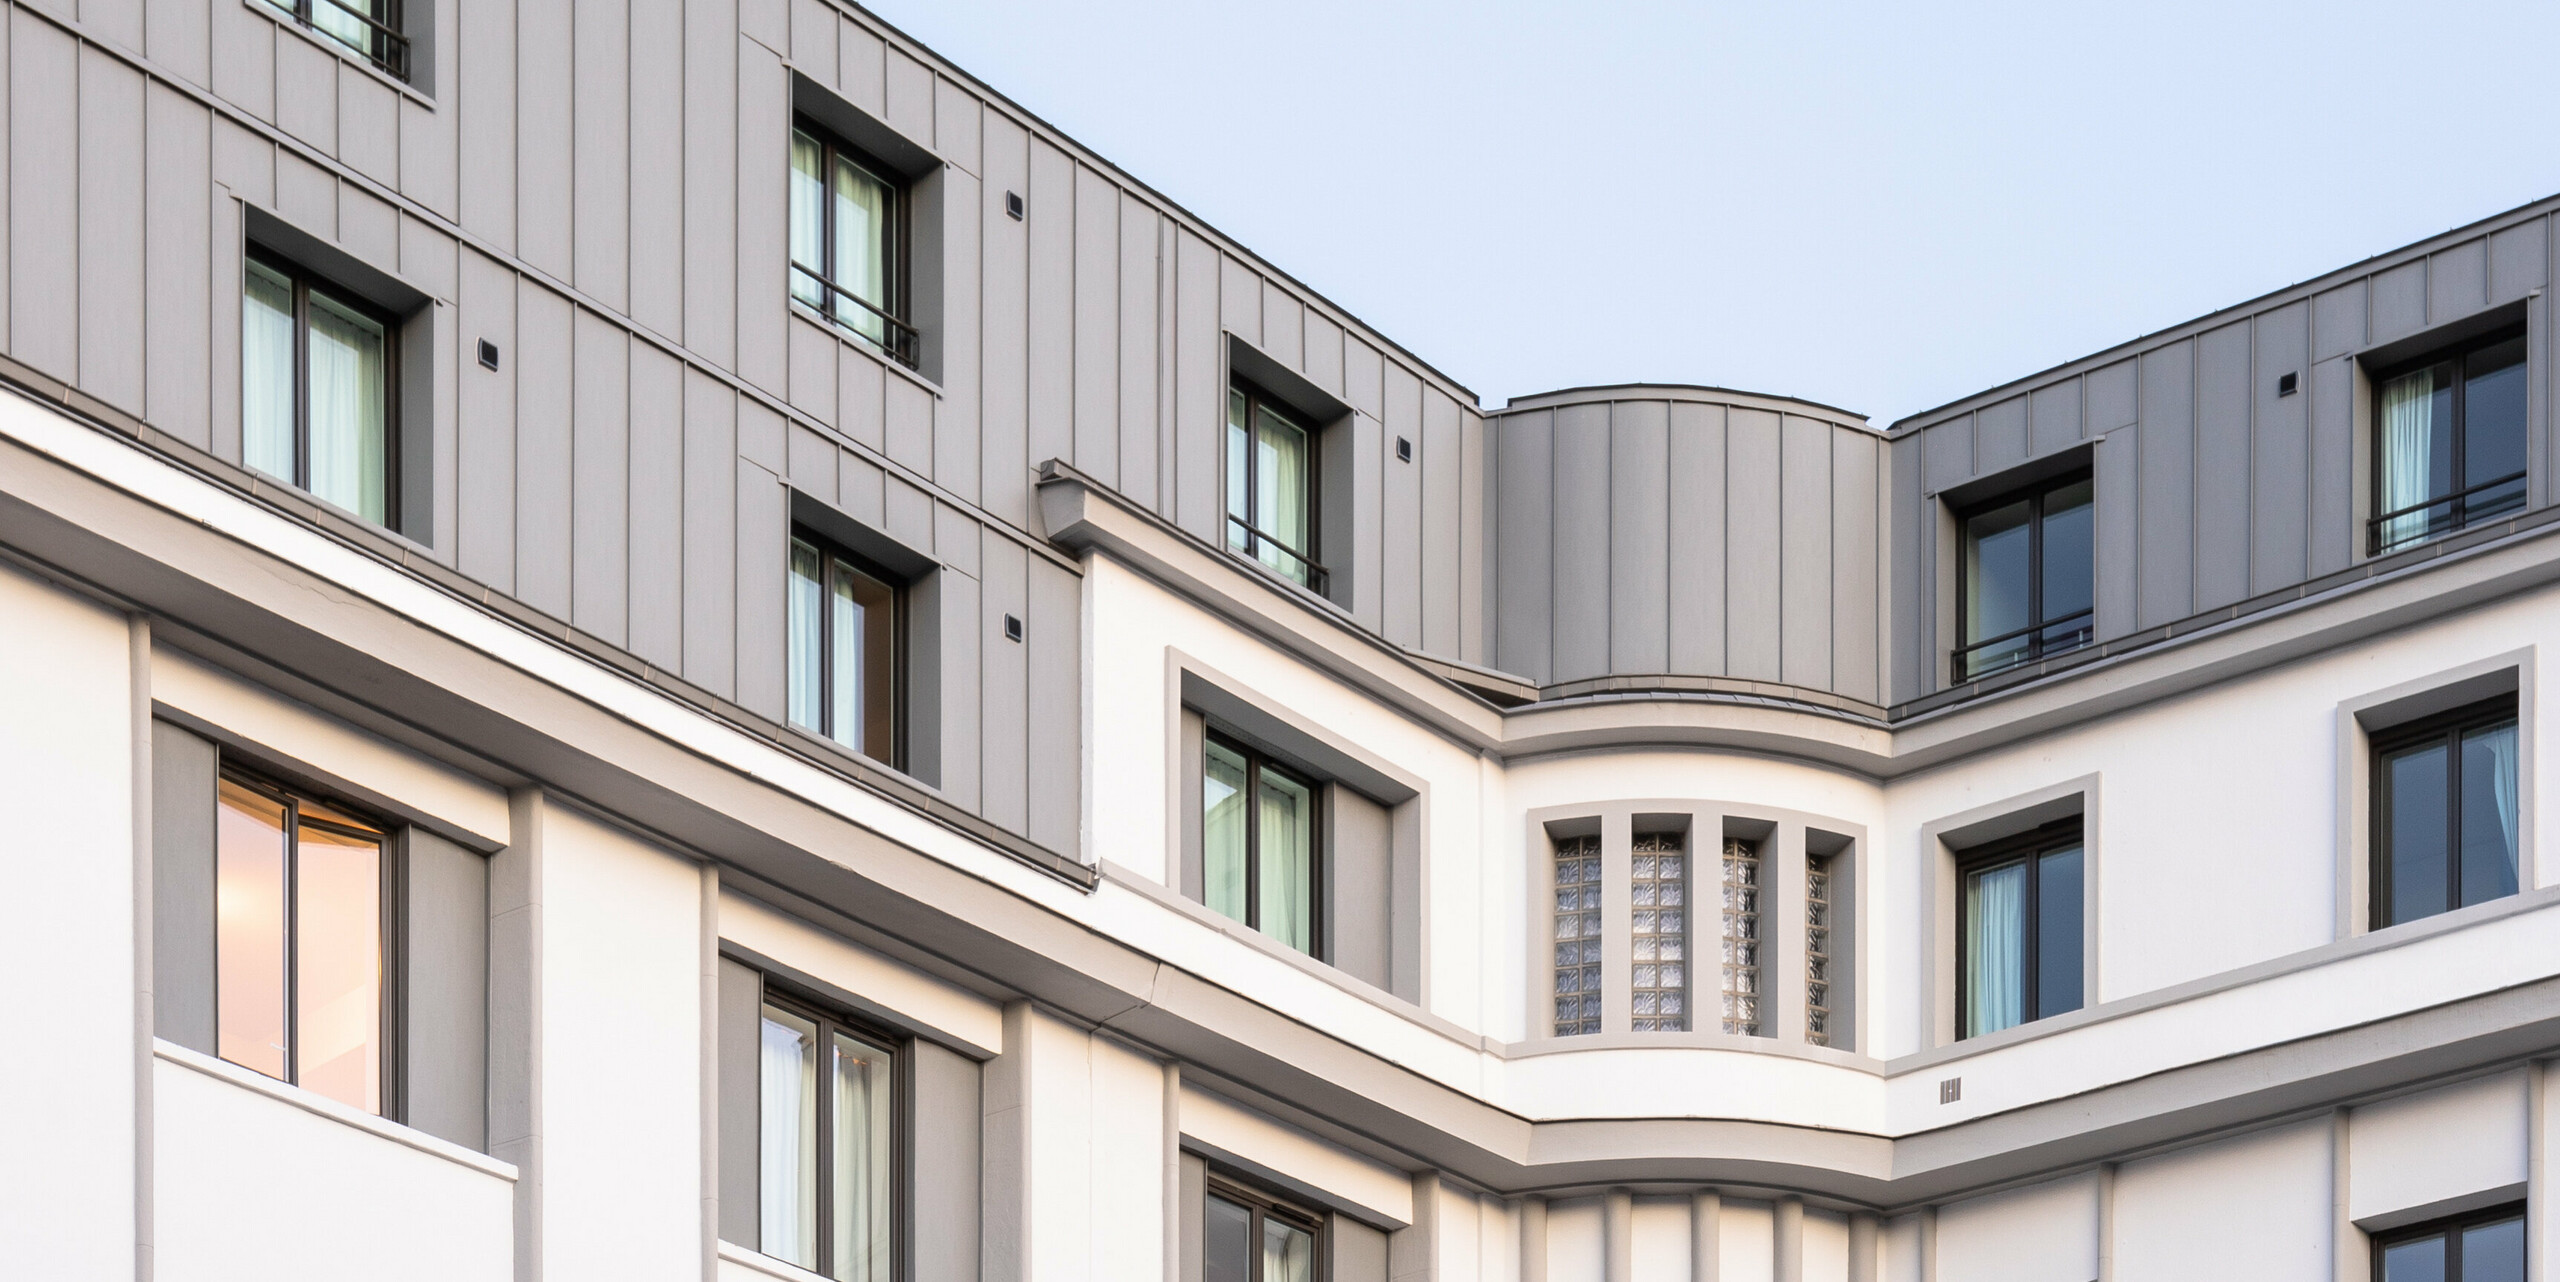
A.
pixel 67 1100
pixel 2256 1206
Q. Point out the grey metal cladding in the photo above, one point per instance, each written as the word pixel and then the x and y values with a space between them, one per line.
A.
pixel 446 990
pixel 1657 535
pixel 183 772
pixel 944 1187
pixel 2166 485
pixel 740 1028
pixel 2222 466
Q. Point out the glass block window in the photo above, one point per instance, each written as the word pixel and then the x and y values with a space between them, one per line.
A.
pixel 1577 936
pixel 1741 937
pixel 1817 949
pixel 1659 983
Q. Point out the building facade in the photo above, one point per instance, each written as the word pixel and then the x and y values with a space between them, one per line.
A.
pixel 670 641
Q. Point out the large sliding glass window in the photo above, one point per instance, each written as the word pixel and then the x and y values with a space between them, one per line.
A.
pixel 2019 930
pixel 826 1146
pixel 316 391
pixel 848 241
pixel 1259 854
pixel 846 658
pixel 2449 442
pixel 2485 1246
pixel 300 896
pixel 2028 571
pixel 2446 812
pixel 1271 459
pixel 1248 1237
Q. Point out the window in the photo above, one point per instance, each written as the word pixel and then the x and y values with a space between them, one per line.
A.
pixel 2019 930
pixel 2445 813
pixel 1259 857
pixel 301 893
pixel 847 661
pixel 1818 886
pixel 2486 1246
pixel 1741 937
pixel 849 241
pixel 370 27
pixel 316 390
pixel 1247 1237
pixel 2026 572
pixel 1271 459
pixel 2449 448
pixel 826 1145
pixel 1658 986
pixel 1577 966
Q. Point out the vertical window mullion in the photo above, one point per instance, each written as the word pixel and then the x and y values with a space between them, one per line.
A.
pixel 823 1145
pixel 2453 795
pixel 1253 841
pixel 2030 1000
pixel 302 380
pixel 292 941
pixel 2035 576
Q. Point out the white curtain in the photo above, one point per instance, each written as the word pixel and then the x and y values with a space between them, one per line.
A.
pixel 807 595
pixel 2408 435
pixel 349 447
pixel 1288 1253
pixel 808 218
pixel 787 1163
pixel 1280 506
pixel 846 665
pixel 2501 746
pixel 1288 861
pixel 864 247
pixel 862 1239
pixel 1222 832
pixel 1995 962
pixel 266 374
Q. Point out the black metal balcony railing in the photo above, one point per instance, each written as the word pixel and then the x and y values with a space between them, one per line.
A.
pixel 2024 645
pixel 1292 564
pixel 2418 522
pixel 381 44
pixel 896 337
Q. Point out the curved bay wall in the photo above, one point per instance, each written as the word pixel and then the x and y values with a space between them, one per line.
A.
pixel 1656 537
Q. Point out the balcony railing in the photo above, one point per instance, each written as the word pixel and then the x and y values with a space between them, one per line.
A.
pixel 2024 645
pixel 896 337
pixel 2418 522
pixel 1284 560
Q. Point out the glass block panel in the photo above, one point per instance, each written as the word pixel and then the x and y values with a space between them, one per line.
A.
pixel 1741 937
pixel 1817 949
pixel 1659 872
pixel 1577 924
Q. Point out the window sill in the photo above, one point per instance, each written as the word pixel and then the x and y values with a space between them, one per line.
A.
pixel 322 511
pixel 342 53
pixel 802 311
pixel 757 1261
pixel 319 1105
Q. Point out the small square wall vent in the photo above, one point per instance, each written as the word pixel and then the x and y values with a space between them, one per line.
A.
pixel 1012 627
pixel 488 354
pixel 1013 205
pixel 2288 384
pixel 1950 1090
pixel 1404 450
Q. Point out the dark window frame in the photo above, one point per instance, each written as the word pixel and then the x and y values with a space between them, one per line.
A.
pixel 391 898
pixel 389 53
pixel 303 280
pixel 1319 867
pixel 2028 848
pixel 2447 728
pixel 2451 1228
pixel 904 340
pixel 828 1019
pixel 1319 579
pixel 831 556
pixel 1264 1206
pixel 2038 645
pixel 2460 517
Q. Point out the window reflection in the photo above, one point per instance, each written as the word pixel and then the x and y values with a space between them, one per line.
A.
pixel 298 942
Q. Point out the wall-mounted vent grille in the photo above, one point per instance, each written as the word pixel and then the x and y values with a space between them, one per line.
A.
pixel 1659 885
pixel 1577 936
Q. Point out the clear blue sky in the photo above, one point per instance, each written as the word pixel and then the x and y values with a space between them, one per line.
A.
pixel 1879 206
